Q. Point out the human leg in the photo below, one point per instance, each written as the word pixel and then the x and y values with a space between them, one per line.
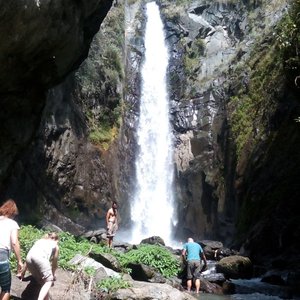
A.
pixel 109 241
pixel 43 295
pixel 189 275
pixel 189 284
pixel 41 270
pixel 196 275
pixel 5 280
pixel 111 230
pixel 197 284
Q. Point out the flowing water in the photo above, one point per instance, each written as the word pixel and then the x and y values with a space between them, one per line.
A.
pixel 152 211
pixel 254 296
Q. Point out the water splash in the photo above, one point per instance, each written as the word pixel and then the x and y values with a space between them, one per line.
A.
pixel 152 211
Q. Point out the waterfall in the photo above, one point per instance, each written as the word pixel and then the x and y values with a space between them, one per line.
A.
pixel 152 210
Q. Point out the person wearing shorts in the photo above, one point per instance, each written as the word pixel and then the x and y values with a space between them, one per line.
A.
pixel 8 240
pixel 41 261
pixel 111 223
pixel 193 253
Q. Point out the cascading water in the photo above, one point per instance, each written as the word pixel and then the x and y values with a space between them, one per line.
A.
pixel 152 211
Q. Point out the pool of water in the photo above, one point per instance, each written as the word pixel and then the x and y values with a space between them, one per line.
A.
pixel 254 296
pixel 253 289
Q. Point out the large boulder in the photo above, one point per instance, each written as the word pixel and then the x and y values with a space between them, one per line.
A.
pixel 150 291
pixel 235 267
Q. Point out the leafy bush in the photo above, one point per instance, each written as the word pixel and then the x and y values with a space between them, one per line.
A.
pixel 69 245
pixel 112 284
pixel 155 256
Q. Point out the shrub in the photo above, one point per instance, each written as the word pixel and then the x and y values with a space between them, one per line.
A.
pixel 155 256
pixel 69 245
pixel 112 284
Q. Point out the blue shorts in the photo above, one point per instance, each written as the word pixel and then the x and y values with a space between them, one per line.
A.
pixel 5 276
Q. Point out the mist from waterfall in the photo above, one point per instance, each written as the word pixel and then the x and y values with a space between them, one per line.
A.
pixel 152 211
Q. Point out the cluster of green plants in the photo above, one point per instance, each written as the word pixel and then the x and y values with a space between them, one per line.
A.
pixel 104 129
pixel 69 245
pixel 112 284
pixel 155 256
pixel 193 52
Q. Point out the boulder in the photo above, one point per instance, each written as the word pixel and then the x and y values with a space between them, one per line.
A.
pixel 87 262
pixel 107 260
pixel 150 291
pixel 153 240
pixel 142 272
pixel 235 267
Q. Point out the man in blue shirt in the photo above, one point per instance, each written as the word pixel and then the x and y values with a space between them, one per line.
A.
pixel 192 252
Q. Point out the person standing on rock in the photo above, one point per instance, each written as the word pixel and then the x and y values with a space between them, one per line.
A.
pixel 111 223
pixel 193 253
pixel 8 240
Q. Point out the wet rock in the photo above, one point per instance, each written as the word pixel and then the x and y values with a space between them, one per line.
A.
pixel 153 240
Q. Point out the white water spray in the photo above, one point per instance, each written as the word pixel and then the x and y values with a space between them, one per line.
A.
pixel 153 208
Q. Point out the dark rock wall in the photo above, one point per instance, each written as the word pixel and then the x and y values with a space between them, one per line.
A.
pixel 43 141
pixel 41 41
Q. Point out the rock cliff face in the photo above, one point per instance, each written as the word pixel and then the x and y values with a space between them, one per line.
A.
pixel 41 43
pixel 218 51
pixel 237 170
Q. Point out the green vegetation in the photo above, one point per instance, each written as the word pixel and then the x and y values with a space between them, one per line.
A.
pixel 155 256
pixel 103 134
pixel 69 245
pixel 193 52
pixel 100 80
pixel 259 95
pixel 112 284
pixel 152 255
pixel 272 69
pixel 273 61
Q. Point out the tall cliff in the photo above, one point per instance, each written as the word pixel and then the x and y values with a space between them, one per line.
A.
pixel 68 137
pixel 233 102
pixel 42 131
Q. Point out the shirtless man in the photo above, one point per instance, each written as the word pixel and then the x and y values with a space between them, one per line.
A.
pixel 111 223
